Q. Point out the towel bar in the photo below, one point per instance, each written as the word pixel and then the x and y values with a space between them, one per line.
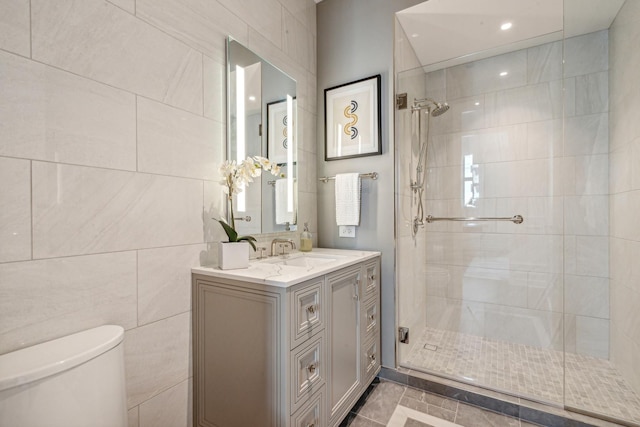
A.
pixel 372 175
pixel 516 219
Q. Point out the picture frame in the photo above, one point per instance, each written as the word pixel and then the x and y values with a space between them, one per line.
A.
pixel 352 117
pixel 277 138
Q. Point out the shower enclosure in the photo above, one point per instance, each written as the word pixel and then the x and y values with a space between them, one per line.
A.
pixel 516 205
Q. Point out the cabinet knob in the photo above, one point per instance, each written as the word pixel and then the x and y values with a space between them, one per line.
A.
pixel 372 317
pixel 372 277
pixel 372 357
pixel 311 309
pixel 313 424
pixel 311 368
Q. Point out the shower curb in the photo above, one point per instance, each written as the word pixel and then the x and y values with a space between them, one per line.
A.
pixel 512 409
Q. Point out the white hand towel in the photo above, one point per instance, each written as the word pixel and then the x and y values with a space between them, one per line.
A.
pixel 282 215
pixel 348 199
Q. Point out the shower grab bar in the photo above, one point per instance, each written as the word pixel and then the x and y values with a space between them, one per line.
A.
pixel 372 175
pixel 516 219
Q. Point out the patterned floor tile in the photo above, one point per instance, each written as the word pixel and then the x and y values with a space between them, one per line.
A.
pixel 591 384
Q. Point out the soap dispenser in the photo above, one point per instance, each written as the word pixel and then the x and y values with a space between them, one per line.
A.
pixel 306 242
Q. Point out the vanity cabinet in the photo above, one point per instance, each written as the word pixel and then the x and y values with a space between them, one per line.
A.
pixel 297 356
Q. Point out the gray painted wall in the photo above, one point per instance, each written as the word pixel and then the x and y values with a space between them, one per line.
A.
pixel 355 40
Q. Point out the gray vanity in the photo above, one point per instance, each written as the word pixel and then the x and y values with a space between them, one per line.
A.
pixel 286 342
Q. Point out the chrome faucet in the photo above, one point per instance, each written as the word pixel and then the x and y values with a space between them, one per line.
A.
pixel 283 243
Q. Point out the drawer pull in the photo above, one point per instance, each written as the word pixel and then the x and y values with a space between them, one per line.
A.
pixel 372 277
pixel 313 424
pixel 311 368
pixel 372 317
pixel 372 357
pixel 311 309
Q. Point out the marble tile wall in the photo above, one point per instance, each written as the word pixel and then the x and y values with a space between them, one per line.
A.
pixel 501 280
pixel 112 124
pixel 624 164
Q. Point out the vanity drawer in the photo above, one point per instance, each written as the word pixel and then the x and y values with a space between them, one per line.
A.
pixel 308 371
pixel 371 320
pixel 370 360
pixel 311 414
pixel 308 311
pixel 371 279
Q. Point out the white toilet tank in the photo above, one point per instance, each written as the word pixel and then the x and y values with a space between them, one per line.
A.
pixel 77 380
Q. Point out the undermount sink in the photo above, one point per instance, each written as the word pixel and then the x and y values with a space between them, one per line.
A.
pixel 304 260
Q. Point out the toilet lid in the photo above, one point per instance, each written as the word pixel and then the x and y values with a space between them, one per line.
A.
pixel 42 360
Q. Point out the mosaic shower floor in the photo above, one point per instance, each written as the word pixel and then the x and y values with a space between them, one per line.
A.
pixel 530 372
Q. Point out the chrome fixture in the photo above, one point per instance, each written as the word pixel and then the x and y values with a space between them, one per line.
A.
pixel 372 175
pixel 401 101
pixel 282 243
pixel 428 103
pixel 243 218
pixel 516 219
pixel 434 109
pixel 262 249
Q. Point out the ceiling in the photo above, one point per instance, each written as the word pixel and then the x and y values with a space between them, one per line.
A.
pixel 450 32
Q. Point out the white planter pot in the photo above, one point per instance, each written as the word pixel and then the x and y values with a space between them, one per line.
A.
pixel 233 255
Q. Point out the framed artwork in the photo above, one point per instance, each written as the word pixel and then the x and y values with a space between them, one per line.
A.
pixel 352 119
pixel 278 140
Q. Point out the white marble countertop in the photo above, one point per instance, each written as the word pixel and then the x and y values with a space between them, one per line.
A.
pixel 293 268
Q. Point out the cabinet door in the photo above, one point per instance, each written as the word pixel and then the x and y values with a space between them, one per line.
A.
pixel 344 345
pixel 238 353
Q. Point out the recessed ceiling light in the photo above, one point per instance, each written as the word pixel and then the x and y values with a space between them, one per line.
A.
pixel 504 73
pixel 477 103
pixel 414 35
pixel 252 98
pixel 506 26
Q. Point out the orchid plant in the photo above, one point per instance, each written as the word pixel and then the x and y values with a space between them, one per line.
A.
pixel 236 176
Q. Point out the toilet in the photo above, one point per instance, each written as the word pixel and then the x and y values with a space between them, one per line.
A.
pixel 77 380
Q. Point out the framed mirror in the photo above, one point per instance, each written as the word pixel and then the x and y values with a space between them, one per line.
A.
pixel 262 121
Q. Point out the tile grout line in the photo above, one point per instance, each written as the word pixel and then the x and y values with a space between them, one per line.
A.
pixel 30 30
pixel 30 204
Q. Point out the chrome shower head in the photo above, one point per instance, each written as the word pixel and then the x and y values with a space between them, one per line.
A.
pixel 440 109
pixel 428 103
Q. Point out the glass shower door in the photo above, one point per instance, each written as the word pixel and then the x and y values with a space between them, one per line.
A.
pixel 483 299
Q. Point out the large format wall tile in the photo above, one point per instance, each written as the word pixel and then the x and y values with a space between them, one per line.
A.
pixel 156 357
pixel 297 42
pixel 171 408
pixel 202 24
pixel 15 26
pixel 215 89
pixel 587 215
pixel 47 299
pixel 484 76
pixel 164 281
pixel 592 93
pixel 79 210
pixel 544 62
pixel 125 52
pixel 48 114
pixel 586 54
pixel 265 16
pixel 587 135
pixel 586 255
pixel 542 101
pixel 128 5
pixel 15 214
pixel 586 296
pixel 175 142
